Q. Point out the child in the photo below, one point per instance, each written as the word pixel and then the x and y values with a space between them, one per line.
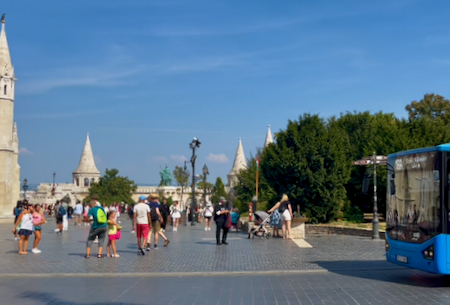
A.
pixel 235 218
pixel 25 220
pixel 114 234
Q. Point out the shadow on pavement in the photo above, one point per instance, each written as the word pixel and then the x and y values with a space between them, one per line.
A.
pixel 386 272
pixel 47 298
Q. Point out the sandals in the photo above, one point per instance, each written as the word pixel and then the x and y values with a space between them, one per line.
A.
pixel 87 256
pixel 99 256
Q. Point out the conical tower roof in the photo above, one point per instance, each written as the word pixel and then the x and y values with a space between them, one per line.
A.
pixel 87 163
pixel 6 68
pixel 239 160
pixel 269 138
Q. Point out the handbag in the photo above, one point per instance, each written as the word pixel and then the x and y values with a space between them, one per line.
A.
pixel 228 222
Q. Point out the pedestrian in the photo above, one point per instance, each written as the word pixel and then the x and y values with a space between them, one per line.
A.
pixel 157 219
pixel 113 234
pixel 131 216
pixel 285 209
pixel 61 212
pixel 200 215
pixel 16 212
pixel 25 220
pixel 164 209
pixel 208 214
pixel 141 223
pixel 235 218
pixel 77 213
pixel 176 215
pixel 105 207
pixel 98 229
pixel 38 221
pixel 220 217
pixel 86 211
pixel 65 218
pixel 275 223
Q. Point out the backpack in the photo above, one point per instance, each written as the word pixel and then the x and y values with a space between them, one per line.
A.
pixel 101 216
pixel 62 211
pixel 17 211
pixel 153 213
pixel 283 207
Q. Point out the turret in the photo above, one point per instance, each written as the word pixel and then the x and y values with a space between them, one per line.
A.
pixel 86 172
pixel 269 138
pixel 239 163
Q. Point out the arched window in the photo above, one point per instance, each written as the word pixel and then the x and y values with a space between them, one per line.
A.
pixel 92 181
pixel 86 181
pixel 4 90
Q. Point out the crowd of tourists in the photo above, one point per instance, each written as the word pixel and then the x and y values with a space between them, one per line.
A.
pixel 149 221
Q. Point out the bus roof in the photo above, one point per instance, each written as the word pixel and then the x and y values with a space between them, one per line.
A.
pixel 442 147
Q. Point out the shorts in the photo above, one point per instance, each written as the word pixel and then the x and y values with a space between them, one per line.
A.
pixel 156 226
pixel 286 216
pixel 115 236
pixel 142 230
pixel 100 233
pixel 37 228
pixel 59 220
pixel 208 217
pixel 24 232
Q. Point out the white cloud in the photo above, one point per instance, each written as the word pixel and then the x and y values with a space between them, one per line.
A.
pixel 178 158
pixel 220 158
pixel 24 151
pixel 160 159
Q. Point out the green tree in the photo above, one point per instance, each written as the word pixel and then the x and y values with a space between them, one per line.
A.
pixel 112 188
pixel 309 163
pixel 201 187
pixel 182 178
pixel 246 187
pixel 432 106
pixel 218 190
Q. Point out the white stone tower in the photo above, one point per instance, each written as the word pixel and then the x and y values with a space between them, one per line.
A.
pixel 269 138
pixel 239 163
pixel 86 172
pixel 9 142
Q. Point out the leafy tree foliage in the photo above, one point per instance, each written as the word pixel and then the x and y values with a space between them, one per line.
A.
pixel 182 178
pixel 432 106
pixel 218 190
pixel 308 162
pixel 112 188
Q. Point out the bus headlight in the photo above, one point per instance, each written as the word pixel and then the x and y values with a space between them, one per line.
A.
pixel 428 253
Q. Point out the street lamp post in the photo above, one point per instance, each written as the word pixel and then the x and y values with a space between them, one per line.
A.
pixel 25 187
pixel 193 145
pixel 205 174
pixel 53 187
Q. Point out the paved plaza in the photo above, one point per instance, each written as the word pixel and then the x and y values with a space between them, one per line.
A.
pixel 194 270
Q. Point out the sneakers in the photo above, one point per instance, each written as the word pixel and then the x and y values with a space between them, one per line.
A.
pixel 133 231
pixel 141 251
pixel 148 248
pixel 166 243
pixel 206 229
pixel 16 239
pixel 155 247
pixel 224 242
pixel 36 250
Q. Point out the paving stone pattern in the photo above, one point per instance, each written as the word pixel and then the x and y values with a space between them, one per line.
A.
pixel 349 287
pixel 191 249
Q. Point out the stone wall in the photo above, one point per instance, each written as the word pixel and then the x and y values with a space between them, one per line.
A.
pixel 331 230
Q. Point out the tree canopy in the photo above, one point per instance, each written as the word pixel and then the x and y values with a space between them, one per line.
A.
pixel 112 188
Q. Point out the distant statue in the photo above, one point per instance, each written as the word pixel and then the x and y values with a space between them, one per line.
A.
pixel 3 18
pixel 166 177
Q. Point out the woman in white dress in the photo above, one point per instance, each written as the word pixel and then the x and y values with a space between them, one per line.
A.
pixel 176 215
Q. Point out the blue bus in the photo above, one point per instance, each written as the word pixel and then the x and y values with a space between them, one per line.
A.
pixel 417 209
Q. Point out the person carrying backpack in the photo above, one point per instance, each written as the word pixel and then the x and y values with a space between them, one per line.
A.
pixel 157 219
pixel 285 210
pixel 59 218
pixel 99 228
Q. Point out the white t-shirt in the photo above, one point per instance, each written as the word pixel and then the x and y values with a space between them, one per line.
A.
pixel 78 209
pixel 141 210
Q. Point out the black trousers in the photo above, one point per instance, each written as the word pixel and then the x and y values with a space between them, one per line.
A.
pixel 163 225
pixel 220 223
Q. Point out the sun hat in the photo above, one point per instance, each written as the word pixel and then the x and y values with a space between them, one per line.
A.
pixel 154 196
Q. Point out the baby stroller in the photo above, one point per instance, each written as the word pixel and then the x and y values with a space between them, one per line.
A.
pixel 261 220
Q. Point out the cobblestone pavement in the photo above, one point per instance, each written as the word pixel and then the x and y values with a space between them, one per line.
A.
pixel 346 287
pixel 193 270
pixel 191 249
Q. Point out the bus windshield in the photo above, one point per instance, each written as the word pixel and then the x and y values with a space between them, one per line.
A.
pixel 413 197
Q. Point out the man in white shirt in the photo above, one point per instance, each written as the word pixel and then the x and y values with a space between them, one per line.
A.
pixel 142 223
pixel 77 213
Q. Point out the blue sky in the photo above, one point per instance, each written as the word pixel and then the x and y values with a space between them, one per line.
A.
pixel 145 77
